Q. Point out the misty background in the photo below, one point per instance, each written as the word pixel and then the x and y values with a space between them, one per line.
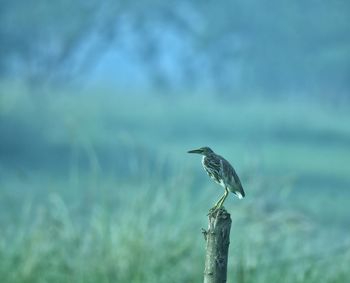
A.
pixel 100 101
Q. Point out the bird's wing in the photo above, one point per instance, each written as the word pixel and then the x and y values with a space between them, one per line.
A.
pixel 213 167
pixel 237 181
pixel 232 178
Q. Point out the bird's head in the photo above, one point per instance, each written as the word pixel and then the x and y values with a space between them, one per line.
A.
pixel 203 150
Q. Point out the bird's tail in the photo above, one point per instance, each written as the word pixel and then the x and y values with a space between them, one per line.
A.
pixel 240 194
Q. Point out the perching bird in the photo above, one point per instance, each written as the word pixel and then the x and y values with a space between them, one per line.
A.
pixel 222 172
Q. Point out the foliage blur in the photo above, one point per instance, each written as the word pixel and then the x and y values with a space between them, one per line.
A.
pixel 100 101
pixel 275 46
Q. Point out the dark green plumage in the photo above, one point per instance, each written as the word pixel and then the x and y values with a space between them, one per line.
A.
pixel 222 172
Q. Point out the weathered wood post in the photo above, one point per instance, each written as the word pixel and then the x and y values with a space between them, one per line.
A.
pixel 217 242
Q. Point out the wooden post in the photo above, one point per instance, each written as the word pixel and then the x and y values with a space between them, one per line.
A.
pixel 217 242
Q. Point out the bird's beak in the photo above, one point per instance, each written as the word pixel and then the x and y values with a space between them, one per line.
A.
pixel 195 151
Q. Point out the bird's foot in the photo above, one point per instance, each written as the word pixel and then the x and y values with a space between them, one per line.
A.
pixel 214 209
pixel 211 211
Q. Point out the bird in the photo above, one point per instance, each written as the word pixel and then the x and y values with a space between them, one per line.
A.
pixel 222 172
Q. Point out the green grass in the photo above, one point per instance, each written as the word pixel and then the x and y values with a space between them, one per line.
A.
pixel 97 187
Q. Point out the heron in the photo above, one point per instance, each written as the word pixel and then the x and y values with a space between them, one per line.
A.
pixel 222 172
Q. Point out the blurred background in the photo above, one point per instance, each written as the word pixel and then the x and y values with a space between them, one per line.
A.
pixel 100 101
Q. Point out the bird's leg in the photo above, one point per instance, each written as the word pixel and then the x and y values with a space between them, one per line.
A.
pixel 217 203
pixel 223 198
pixel 220 202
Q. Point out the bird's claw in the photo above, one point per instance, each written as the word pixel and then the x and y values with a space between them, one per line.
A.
pixel 213 210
